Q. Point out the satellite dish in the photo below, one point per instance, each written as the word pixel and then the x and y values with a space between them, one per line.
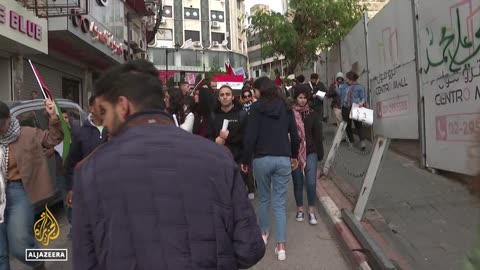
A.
pixel 225 43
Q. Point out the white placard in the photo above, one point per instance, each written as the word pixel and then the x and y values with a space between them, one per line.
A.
pixel 320 94
pixel 393 75
pixel 175 120
pixel 361 114
pixel 225 124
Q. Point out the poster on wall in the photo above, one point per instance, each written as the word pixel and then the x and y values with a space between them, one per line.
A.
pixel 393 76
pixel 449 35
pixel 354 52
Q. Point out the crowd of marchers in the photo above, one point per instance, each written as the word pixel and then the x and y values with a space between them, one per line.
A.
pixel 165 178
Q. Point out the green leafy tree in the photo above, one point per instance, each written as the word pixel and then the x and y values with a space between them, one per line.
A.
pixel 309 26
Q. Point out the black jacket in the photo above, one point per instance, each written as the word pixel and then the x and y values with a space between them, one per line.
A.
pixel 268 126
pixel 85 139
pixel 314 102
pixel 314 134
pixel 236 127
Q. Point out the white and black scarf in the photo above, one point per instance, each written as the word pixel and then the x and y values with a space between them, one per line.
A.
pixel 6 139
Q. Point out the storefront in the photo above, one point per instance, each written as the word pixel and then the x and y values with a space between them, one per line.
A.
pixel 21 34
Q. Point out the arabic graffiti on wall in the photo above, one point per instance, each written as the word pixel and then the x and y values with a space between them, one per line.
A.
pixel 459 43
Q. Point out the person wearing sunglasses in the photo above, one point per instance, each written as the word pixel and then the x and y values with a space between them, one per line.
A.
pixel 247 98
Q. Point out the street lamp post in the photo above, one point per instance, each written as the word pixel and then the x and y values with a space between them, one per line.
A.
pixel 204 51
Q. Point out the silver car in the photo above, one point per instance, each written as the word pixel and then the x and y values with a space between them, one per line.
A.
pixel 32 113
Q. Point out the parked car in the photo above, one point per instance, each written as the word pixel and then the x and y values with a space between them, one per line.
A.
pixel 32 113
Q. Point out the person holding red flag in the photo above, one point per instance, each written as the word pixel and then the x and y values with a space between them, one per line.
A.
pixel 24 180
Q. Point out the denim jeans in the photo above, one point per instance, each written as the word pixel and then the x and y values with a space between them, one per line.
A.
pixel 311 181
pixel 272 172
pixel 16 232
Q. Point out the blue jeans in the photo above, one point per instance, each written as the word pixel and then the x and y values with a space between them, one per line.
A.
pixel 311 181
pixel 16 232
pixel 272 172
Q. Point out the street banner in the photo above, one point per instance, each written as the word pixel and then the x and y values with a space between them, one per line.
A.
pixel 449 37
pixel 67 139
pixel 190 78
pixel 393 76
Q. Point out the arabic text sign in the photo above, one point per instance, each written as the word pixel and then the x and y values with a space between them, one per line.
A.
pixel 449 35
pixel 393 76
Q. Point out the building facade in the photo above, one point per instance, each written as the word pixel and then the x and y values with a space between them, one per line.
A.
pixel 260 65
pixel 68 51
pixel 197 35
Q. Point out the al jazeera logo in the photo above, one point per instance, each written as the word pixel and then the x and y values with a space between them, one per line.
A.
pixel 46 229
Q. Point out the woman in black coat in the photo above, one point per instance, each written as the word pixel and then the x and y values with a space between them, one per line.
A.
pixel 309 128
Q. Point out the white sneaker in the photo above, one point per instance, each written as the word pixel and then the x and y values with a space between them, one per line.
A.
pixel 265 238
pixel 312 218
pixel 251 196
pixel 281 254
pixel 300 216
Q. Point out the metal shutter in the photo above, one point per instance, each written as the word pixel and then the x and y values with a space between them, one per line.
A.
pixel 51 77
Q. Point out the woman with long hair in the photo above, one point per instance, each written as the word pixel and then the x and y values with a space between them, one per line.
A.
pixel 246 98
pixel 272 141
pixel 309 128
pixel 202 110
pixel 176 106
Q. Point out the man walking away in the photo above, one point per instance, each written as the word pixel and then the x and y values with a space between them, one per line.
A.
pixel 86 139
pixel 155 196
pixel 352 92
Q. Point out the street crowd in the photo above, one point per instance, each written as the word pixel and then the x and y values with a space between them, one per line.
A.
pixel 164 178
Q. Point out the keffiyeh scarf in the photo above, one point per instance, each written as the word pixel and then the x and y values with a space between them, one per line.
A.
pixel 6 139
pixel 300 114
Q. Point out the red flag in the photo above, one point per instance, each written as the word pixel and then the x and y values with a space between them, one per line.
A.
pixel 46 93
pixel 229 69
pixel 67 138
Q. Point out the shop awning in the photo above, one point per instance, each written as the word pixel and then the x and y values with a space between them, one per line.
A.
pixel 139 7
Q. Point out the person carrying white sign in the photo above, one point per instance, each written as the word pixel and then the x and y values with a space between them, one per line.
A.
pixel 352 92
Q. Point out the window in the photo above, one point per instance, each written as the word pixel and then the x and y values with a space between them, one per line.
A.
pixel 28 119
pixel 220 37
pixel 218 16
pixel 165 34
pixel 71 90
pixel 194 35
pixel 192 13
pixel 167 11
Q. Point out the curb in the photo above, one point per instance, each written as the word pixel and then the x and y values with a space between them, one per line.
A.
pixel 335 217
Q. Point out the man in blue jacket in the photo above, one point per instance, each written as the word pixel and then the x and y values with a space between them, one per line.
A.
pixel 156 196
pixel 86 138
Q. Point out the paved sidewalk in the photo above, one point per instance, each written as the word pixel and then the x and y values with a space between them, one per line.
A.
pixel 430 220
pixel 308 247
